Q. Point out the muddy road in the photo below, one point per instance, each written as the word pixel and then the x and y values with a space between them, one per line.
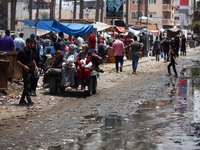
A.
pixel 147 111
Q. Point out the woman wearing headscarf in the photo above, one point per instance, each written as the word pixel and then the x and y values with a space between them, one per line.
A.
pixel 69 66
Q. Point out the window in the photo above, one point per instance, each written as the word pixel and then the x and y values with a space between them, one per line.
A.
pixel 176 18
pixel 134 15
pixel 152 15
pixel 134 2
pixel 152 1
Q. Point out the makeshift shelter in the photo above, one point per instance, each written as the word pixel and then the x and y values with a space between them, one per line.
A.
pixel 150 26
pixel 171 34
pixel 53 25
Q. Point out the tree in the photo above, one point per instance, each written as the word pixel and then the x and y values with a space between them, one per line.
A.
pixel 81 9
pixel 74 13
pixel 52 9
pixel 37 11
pixel 30 9
pixel 44 15
pixel 102 5
pixel 97 10
pixel 3 14
pixel 13 12
pixel 127 5
pixel 60 9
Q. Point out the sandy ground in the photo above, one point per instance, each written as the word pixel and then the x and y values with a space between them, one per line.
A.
pixel 44 101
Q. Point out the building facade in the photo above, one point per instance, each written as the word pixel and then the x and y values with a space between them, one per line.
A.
pixel 184 13
pixel 161 11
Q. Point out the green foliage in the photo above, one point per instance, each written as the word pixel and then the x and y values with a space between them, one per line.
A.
pixel 44 15
pixel 196 27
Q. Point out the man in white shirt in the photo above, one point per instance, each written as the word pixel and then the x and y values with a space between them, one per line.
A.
pixel 19 42
pixel 80 42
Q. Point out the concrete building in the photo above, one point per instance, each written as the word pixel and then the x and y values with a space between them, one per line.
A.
pixel 161 11
pixel 22 10
pixel 184 13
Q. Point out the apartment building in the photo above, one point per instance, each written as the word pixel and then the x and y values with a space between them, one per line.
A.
pixel 184 13
pixel 161 11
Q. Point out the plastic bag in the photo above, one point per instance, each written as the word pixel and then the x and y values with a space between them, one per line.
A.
pixel 124 58
pixel 161 54
pixel 36 73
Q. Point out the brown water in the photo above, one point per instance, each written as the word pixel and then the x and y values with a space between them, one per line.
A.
pixel 168 119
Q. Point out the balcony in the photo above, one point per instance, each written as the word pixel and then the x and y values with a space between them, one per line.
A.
pixel 168 22
pixel 167 7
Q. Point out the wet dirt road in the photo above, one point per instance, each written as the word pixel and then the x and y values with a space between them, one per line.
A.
pixel 146 112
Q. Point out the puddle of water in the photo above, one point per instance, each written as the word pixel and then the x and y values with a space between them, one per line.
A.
pixel 172 122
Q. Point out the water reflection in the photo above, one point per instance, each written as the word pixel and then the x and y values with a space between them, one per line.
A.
pixel 162 124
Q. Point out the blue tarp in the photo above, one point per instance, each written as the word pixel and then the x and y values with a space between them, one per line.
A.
pixel 68 28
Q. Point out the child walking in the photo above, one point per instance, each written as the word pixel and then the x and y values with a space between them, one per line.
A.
pixel 172 62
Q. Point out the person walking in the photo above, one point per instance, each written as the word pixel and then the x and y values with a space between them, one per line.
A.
pixel 157 47
pixel 172 62
pixel 39 64
pixel 26 61
pixel 119 52
pixel 176 46
pixel 135 53
pixel 165 48
pixel 7 43
pixel 183 45
pixel 19 42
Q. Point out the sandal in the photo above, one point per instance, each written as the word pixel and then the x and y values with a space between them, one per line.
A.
pixel 66 85
pixel 79 87
pixel 86 88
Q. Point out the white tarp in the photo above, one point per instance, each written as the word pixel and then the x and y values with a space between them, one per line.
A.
pixel 144 20
pixel 101 26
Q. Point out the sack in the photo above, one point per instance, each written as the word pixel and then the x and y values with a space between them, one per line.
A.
pixel 36 73
pixel 124 58
pixel 161 54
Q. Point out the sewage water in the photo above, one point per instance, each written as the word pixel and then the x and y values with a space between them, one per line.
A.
pixel 169 124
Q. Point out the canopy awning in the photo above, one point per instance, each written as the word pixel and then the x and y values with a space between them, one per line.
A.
pixel 101 26
pixel 53 25
pixel 150 26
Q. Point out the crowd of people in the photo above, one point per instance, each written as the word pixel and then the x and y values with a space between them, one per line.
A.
pixel 74 53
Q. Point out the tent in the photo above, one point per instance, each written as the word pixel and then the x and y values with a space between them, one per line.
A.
pixel 53 25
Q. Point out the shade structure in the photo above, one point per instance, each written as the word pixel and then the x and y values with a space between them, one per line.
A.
pixel 53 25
pixel 101 26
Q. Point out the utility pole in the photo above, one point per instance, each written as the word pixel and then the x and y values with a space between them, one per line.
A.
pixel 193 16
pixel 127 5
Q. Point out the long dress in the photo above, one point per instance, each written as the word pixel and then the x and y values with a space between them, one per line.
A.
pixel 67 71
